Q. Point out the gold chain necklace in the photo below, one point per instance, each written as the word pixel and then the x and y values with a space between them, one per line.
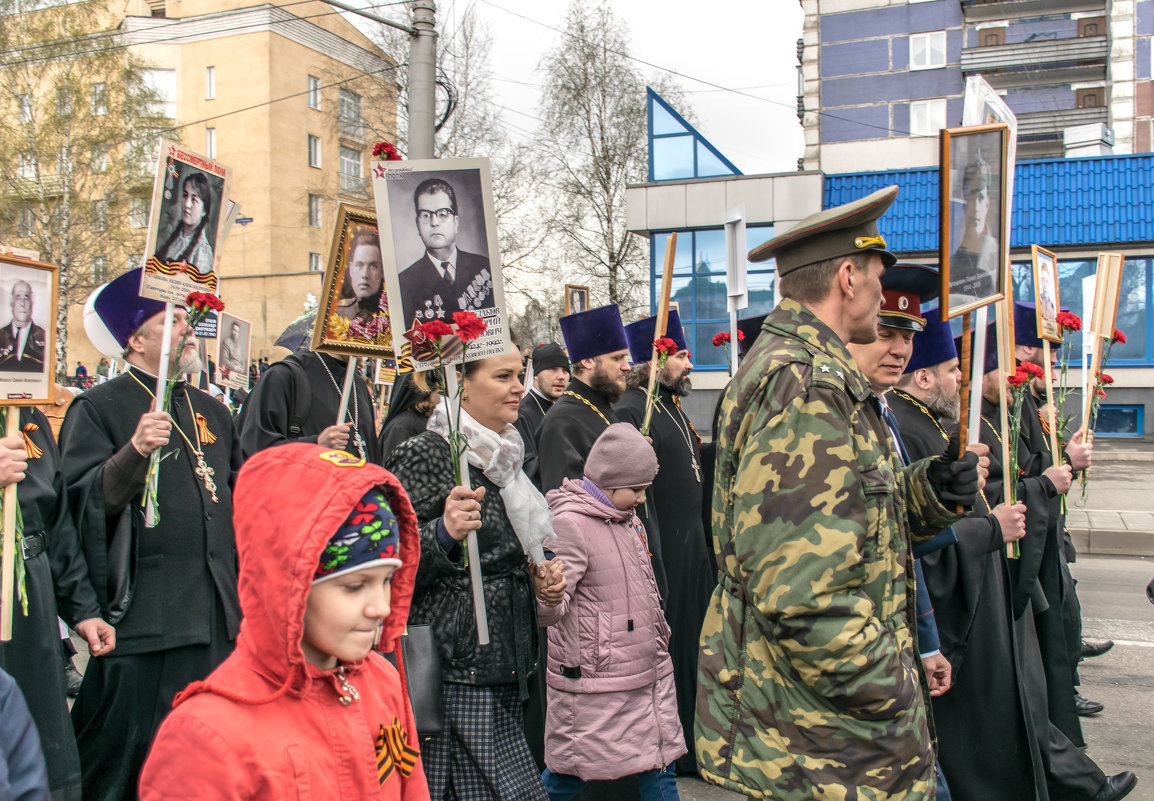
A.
pixel 924 410
pixel 203 471
pixel 604 419
pixel 684 435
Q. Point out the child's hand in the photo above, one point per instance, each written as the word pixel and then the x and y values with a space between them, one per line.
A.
pixel 549 581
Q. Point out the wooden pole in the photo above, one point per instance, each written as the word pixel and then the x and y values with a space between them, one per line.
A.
pixel 8 562
pixel 1053 414
pixel 1090 384
pixel 965 388
pixel 150 510
pixel 661 323
pixel 452 404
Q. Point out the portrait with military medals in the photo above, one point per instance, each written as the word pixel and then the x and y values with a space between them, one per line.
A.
pixel 27 338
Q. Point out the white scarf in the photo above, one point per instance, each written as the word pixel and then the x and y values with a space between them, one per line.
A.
pixel 499 456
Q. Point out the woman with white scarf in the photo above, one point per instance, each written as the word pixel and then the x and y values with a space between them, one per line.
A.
pixel 481 751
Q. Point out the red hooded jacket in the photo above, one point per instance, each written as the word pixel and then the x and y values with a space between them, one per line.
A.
pixel 266 724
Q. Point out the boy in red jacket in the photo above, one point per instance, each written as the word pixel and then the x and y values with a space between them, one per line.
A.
pixel 328 550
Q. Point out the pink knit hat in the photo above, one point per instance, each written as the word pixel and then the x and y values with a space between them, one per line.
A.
pixel 621 457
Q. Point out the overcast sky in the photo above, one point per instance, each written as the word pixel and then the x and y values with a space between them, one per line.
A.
pixel 746 46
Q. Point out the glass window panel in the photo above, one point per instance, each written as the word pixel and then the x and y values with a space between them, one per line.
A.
pixel 761 294
pixel 681 292
pixel 663 121
pixel 756 235
pixel 710 251
pixel 673 158
pixel 917 51
pixel 709 296
pixel 704 354
pixel 709 164
pixel 682 259
pixel 1132 310
pixel 1119 421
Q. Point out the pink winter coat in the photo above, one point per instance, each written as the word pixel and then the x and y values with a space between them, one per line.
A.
pixel 612 708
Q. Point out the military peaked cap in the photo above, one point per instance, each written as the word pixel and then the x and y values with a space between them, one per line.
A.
pixel 905 287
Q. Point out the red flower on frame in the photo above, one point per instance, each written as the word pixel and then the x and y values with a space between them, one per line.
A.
pixel 384 151
pixel 1119 337
pixel 435 329
pixel 1069 321
pixel 469 325
pixel 203 301
pixel 665 346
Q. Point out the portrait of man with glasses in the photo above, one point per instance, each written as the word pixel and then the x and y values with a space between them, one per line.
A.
pixel 445 279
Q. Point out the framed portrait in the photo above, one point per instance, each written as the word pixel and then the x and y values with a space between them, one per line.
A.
pixel 232 351
pixel 439 234
pixel 189 196
pixel 385 372
pixel 28 333
pixel 1107 287
pixel 974 223
pixel 576 298
pixel 353 313
pixel 1046 294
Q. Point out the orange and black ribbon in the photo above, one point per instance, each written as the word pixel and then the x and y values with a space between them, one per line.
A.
pixel 157 267
pixel 31 449
pixel 206 437
pixel 394 751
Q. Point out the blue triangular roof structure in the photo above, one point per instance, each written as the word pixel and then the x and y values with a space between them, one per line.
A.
pixel 676 149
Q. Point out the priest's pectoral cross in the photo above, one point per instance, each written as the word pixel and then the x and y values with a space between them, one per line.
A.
pixel 206 473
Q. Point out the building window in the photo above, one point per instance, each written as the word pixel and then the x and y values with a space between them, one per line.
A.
pixel 99 159
pixel 1092 26
pixel 351 121
pixel 210 142
pixel 315 211
pixel 351 180
pixel 138 212
pixel 100 216
pixel 24 103
pixel 927 117
pixel 26 166
pixel 314 151
pixel 210 83
pixel 163 85
pixel 64 102
pixel 991 37
pixel 27 222
pixel 99 267
pixel 314 94
pixel 63 162
pixel 98 99
pixel 927 50
pixel 1115 420
pixel 315 262
pixel 1090 98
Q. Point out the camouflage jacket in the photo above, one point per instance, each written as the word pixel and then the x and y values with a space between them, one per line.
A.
pixel 808 677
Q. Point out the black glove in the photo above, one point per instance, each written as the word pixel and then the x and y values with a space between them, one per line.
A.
pixel 955 480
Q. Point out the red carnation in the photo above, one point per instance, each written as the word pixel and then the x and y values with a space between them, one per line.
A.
pixel 469 325
pixel 1032 369
pixel 1105 378
pixel 1069 321
pixel 1018 378
pixel 384 151
pixel 665 346
pixel 435 329
pixel 1119 336
pixel 1101 393
pixel 721 339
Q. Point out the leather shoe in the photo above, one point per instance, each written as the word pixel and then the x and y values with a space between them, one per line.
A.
pixel 1084 706
pixel 1117 786
pixel 73 678
pixel 1092 649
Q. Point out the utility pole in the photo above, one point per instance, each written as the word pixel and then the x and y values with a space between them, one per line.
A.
pixel 422 70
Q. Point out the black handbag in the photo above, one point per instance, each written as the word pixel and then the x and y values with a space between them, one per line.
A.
pixel 423 674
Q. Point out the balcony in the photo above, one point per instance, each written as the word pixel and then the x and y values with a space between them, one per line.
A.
pixel 987 10
pixel 1036 55
pixel 1038 124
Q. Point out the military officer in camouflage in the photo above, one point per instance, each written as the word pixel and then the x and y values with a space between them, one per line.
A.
pixel 809 683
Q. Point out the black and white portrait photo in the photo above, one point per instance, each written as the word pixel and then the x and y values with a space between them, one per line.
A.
pixel 973 224
pixel 27 328
pixel 232 349
pixel 576 298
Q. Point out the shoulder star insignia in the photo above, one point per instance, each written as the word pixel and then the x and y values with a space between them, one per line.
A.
pixel 840 374
pixel 825 368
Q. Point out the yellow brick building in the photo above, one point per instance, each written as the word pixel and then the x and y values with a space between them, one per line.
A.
pixel 292 97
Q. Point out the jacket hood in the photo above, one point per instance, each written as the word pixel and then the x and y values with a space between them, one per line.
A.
pixel 572 496
pixel 288 502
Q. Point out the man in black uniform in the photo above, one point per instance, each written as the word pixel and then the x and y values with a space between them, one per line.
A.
pixel 599 353
pixel 673 517
pixel 297 400
pixel 550 377
pixel 170 589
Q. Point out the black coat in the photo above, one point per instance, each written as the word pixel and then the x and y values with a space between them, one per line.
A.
pixel 186 566
pixel 443 595
pixel 530 414
pixel 568 432
pixel 56 580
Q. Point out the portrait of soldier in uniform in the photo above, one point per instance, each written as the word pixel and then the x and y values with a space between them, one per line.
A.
pixel 364 281
pixel 22 340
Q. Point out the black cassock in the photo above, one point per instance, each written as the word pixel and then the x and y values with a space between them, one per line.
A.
pixel 996 742
pixel 530 414
pixel 56 580
pixel 184 613
pixel 678 537
pixel 268 413
pixel 568 432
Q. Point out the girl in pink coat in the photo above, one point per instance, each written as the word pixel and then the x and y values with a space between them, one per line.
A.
pixel 612 708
